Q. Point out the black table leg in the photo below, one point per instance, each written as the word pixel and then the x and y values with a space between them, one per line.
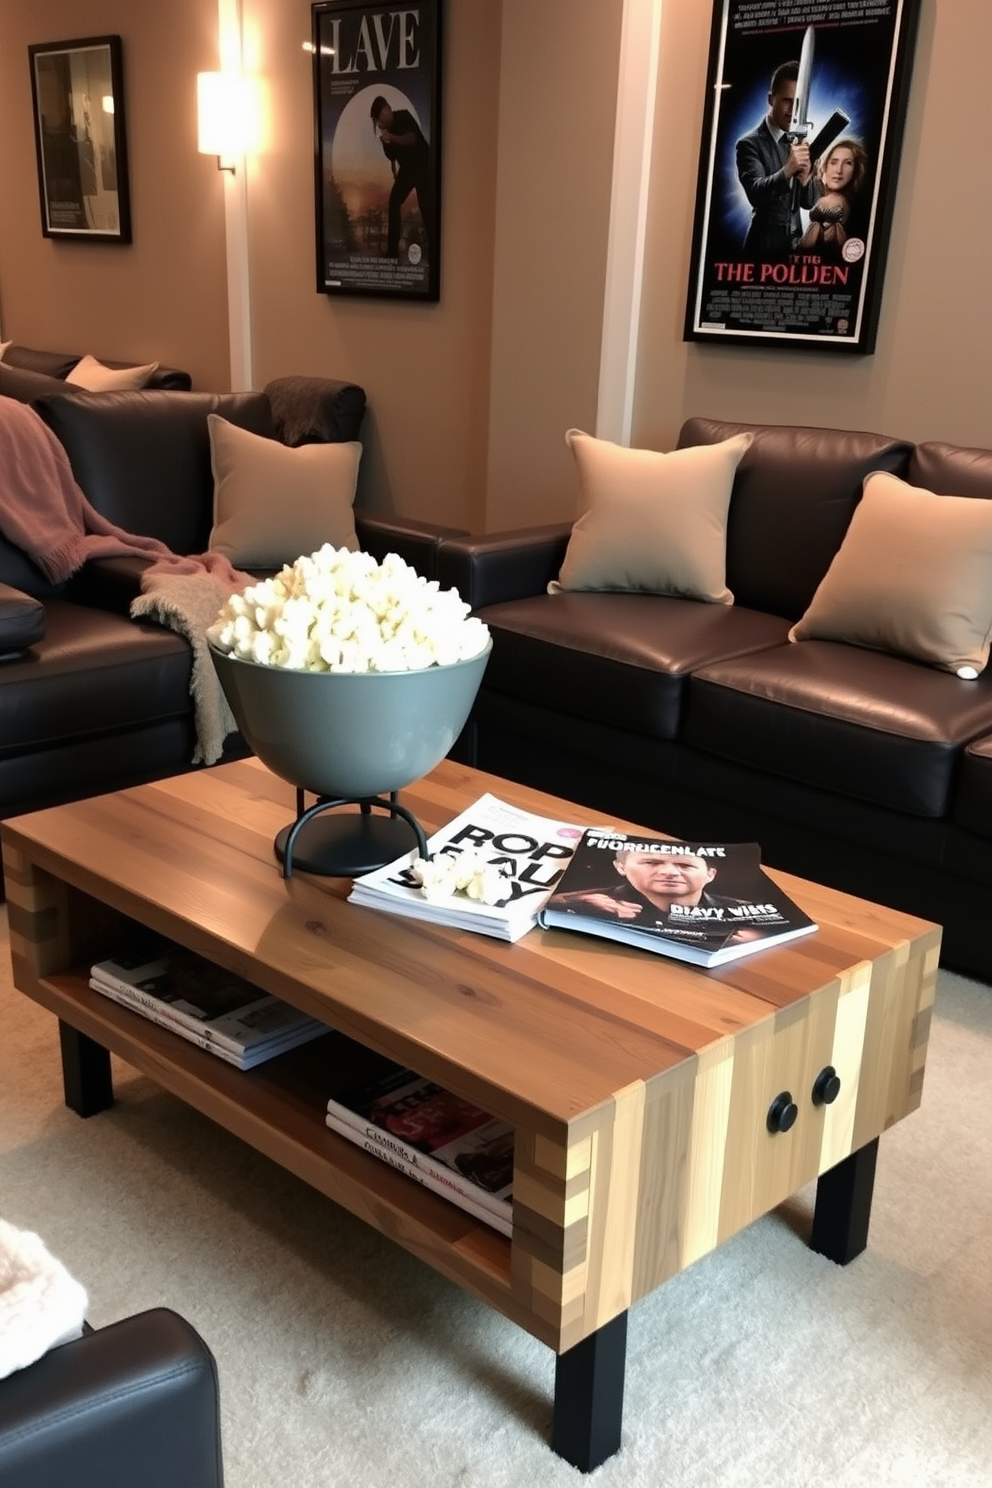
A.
pixel 589 1396
pixel 86 1076
pixel 843 1206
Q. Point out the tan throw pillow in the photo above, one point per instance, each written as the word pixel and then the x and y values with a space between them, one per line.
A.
pixel 94 377
pixel 272 504
pixel 3 348
pixel 650 522
pixel 912 576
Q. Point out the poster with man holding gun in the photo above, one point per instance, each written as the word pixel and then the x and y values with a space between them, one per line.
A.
pixel 800 144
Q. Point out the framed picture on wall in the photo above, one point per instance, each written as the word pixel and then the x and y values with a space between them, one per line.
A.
pixel 377 128
pixel 78 95
pixel 803 122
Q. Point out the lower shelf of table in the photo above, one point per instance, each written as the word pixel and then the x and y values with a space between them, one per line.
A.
pixel 278 1108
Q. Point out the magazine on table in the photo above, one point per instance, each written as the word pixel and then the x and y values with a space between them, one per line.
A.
pixel 530 851
pixel 184 991
pixel 704 902
pixel 410 1120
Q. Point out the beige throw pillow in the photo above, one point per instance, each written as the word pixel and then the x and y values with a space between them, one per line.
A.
pixel 94 377
pixel 3 348
pixel 272 504
pixel 912 576
pixel 650 522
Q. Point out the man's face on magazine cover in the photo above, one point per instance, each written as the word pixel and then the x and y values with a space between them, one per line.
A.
pixel 663 876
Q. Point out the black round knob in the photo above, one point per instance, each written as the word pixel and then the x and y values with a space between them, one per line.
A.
pixel 826 1086
pixel 782 1113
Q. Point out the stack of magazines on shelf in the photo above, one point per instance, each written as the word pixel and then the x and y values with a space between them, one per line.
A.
pixel 529 852
pixel 201 1002
pixel 433 1136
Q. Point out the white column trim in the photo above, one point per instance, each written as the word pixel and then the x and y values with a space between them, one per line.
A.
pixel 235 188
pixel 633 137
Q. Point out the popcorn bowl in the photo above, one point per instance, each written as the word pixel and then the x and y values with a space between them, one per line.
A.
pixel 349 737
pixel 350 678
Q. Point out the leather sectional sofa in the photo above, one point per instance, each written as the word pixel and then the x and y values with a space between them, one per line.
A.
pixel 848 764
pixel 91 700
pixel 27 373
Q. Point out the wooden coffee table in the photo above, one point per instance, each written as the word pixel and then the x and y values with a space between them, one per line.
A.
pixel 658 1108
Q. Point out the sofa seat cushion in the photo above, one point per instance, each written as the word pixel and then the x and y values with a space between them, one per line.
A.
pixel 621 659
pixel 973 797
pixel 92 673
pixel 856 722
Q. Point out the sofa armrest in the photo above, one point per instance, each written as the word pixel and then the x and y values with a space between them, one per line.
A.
pixel 22 622
pixel 135 1402
pixel 502 565
pixel 416 542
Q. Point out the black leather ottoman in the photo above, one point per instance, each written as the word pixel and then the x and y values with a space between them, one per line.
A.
pixel 132 1403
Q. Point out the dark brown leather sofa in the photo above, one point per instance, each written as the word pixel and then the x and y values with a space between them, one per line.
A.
pixel 27 372
pixel 858 768
pixel 91 700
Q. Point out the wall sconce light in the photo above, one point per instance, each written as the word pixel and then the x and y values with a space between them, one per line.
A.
pixel 227 106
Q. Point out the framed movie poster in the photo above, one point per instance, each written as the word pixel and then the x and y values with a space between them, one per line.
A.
pixel 803 123
pixel 78 96
pixel 377 101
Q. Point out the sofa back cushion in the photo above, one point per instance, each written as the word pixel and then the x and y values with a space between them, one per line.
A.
pixel 143 458
pixel 794 494
pixel 951 469
pixel 17 570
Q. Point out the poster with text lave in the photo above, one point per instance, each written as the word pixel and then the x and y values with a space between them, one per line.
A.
pixel 377 148
pixel 802 128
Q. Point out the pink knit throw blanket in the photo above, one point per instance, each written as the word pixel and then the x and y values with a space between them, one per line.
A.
pixel 44 512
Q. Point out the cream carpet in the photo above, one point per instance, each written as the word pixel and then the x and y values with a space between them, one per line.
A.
pixel 344 1362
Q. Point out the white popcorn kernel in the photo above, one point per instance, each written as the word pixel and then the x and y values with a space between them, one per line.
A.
pixel 336 610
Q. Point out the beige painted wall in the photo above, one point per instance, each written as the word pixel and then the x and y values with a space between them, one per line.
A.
pixel 558 85
pixel 931 372
pixel 163 297
pixel 470 398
